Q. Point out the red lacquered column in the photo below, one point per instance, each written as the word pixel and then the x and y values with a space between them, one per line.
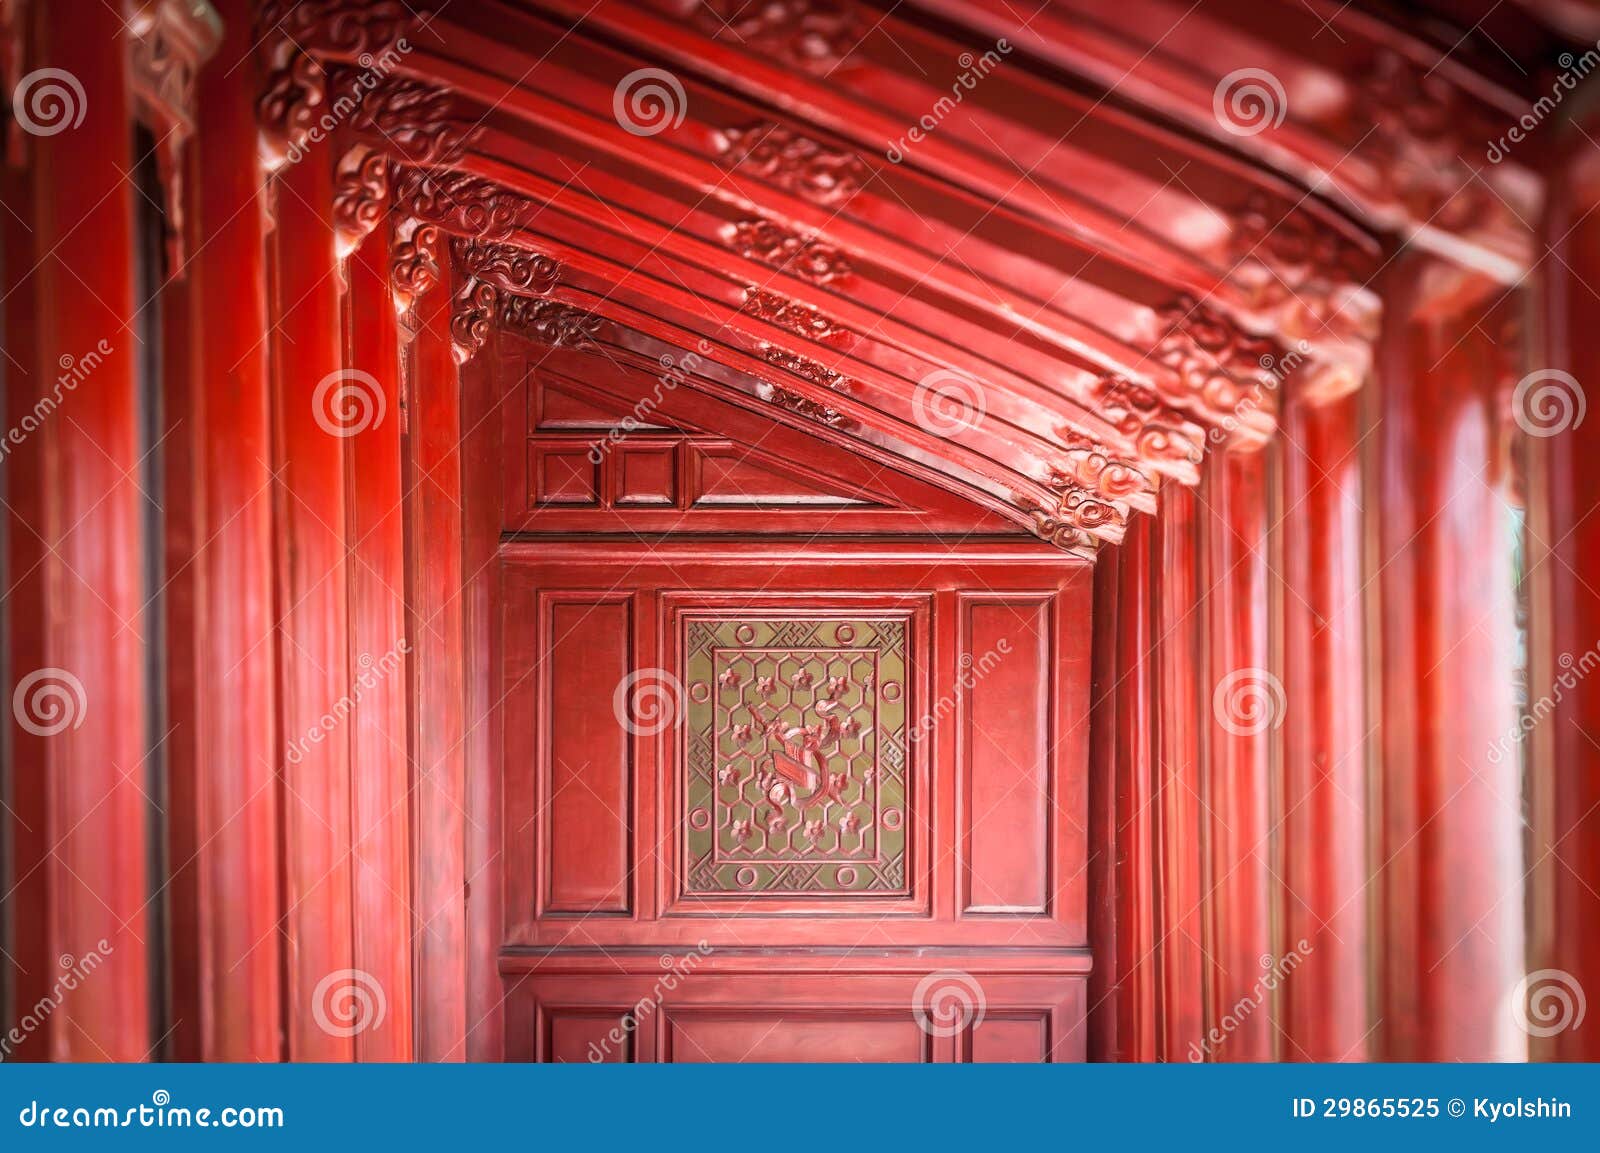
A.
pixel 96 636
pixel 1243 707
pixel 1449 868
pixel 1322 814
pixel 437 626
pixel 317 407
pixel 240 963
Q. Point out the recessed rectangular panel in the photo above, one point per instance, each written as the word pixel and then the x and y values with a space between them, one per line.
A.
pixel 797 759
pixel 587 798
pixel 564 474
pixel 1016 1039
pixel 1004 770
pixel 647 476
pixel 785 1035
pixel 588 1036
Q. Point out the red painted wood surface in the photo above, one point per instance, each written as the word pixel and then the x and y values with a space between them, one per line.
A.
pixel 435 549
pixel 1242 702
pixel 1322 811
pixel 313 602
pixel 241 982
pixel 94 641
pixel 380 769
pixel 1448 877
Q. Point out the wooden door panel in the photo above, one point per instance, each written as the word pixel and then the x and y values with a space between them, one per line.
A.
pixel 835 769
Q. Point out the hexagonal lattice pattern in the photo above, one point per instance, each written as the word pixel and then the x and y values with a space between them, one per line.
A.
pixel 796 759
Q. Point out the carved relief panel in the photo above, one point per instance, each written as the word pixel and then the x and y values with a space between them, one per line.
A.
pixel 796 760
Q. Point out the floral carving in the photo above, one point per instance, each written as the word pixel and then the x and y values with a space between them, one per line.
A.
pixel 810 169
pixel 1092 468
pixel 550 322
pixel 803 406
pixel 506 266
pixel 416 264
pixel 805 367
pixel 1056 529
pixel 416 122
pixel 806 257
pixel 800 319
pixel 814 35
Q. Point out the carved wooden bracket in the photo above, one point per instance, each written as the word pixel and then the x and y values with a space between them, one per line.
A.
pixel 168 42
pixel 487 270
pixel 1224 376
pixel 1167 441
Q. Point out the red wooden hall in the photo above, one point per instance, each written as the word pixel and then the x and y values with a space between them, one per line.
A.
pixel 662 530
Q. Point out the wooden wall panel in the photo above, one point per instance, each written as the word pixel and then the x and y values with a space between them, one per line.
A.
pixel 586 773
pixel 1007 679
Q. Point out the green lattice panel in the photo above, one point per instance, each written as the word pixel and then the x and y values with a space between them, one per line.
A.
pixel 796 753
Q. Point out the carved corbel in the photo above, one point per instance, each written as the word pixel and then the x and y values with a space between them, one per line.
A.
pixel 459 202
pixel 486 271
pixel 1224 376
pixel 1165 441
pixel 416 264
pixel 168 42
pixel 550 322
pixel 360 196
pixel 1090 467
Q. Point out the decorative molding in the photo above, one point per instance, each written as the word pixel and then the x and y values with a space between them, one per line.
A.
pixel 814 35
pixel 1056 529
pixel 792 316
pixel 806 257
pixel 417 262
pixel 459 202
pixel 1223 374
pixel 486 270
pixel 1164 439
pixel 814 171
pixel 417 123
pixel 1091 467
pixel 550 322
pixel 805 368
pixel 294 38
pixel 794 402
pixel 168 42
pixel 360 196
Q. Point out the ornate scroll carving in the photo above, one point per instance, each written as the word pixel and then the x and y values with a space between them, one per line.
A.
pixel 806 257
pixel 803 406
pixel 800 319
pixel 812 170
pixel 1223 375
pixel 295 37
pixel 360 196
pixel 1090 467
pixel 416 122
pixel 1165 440
pixel 169 41
pixel 814 35
pixel 459 202
pixel 550 322
pixel 1055 528
pixel 806 368
pixel 488 269
pixel 416 263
